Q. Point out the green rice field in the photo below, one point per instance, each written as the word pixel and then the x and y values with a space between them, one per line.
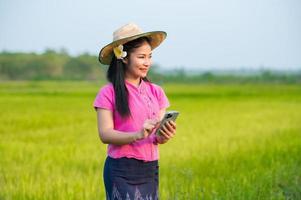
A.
pixel 232 142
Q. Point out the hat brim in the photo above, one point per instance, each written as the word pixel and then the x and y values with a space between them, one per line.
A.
pixel 106 53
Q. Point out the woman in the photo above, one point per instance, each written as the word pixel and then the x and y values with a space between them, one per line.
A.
pixel 129 109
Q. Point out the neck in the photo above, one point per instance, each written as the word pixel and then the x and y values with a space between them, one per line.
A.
pixel 134 81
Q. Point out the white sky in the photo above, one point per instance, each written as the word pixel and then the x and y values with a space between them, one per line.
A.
pixel 202 34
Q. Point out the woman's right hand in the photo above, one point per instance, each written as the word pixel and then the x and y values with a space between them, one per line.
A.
pixel 148 127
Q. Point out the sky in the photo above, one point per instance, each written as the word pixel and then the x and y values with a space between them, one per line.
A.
pixel 211 34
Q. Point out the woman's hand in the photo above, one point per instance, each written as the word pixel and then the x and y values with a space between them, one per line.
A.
pixel 167 132
pixel 148 127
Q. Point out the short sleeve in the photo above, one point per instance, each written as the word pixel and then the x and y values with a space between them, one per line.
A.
pixel 105 98
pixel 162 98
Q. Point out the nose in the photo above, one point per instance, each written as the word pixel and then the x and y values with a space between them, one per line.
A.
pixel 147 62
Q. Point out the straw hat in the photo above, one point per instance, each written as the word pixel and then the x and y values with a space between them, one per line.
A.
pixel 128 33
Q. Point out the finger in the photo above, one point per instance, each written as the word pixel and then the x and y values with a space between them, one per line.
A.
pixel 173 124
pixel 169 127
pixel 149 126
pixel 146 128
pixel 147 131
pixel 169 133
pixel 154 121
pixel 164 134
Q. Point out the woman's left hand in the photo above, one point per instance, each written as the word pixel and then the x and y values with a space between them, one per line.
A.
pixel 167 132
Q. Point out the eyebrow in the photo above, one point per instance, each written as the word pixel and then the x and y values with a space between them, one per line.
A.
pixel 144 54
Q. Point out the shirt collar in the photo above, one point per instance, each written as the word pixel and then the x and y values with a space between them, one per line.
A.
pixel 139 88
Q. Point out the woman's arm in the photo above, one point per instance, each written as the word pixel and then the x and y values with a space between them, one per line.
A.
pixel 108 135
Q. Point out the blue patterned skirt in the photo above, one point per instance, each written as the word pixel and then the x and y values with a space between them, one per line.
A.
pixel 131 179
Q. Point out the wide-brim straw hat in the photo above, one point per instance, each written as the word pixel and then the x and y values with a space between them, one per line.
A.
pixel 128 33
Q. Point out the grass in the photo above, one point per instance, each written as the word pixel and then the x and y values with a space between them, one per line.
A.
pixel 232 142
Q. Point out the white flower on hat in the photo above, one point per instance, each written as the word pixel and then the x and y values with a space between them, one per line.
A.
pixel 119 53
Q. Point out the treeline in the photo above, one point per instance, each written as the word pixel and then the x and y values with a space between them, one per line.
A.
pixel 261 76
pixel 59 65
pixel 50 65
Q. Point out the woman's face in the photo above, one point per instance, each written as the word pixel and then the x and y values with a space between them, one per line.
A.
pixel 139 61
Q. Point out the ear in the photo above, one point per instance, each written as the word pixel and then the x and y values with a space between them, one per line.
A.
pixel 125 61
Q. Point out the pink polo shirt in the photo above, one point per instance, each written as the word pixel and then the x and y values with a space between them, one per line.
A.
pixel 145 102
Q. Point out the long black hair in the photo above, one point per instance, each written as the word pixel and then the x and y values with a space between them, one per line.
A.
pixel 116 75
